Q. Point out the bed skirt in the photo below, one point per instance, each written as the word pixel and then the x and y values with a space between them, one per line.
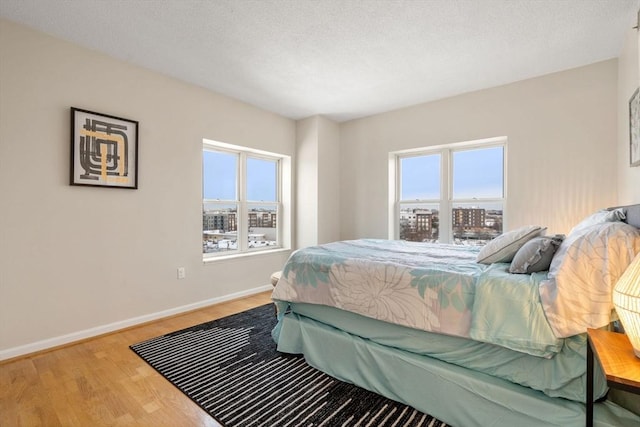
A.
pixel 453 394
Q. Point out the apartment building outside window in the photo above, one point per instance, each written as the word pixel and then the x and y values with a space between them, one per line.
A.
pixel 242 193
pixel 450 194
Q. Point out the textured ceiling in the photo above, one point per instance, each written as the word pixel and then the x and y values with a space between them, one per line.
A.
pixel 340 58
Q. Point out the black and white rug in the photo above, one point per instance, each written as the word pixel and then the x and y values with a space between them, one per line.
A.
pixel 231 369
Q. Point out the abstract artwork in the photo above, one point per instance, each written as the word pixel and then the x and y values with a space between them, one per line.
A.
pixel 104 150
pixel 634 128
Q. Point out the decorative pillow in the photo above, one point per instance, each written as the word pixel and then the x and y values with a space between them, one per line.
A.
pixel 600 217
pixel 535 255
pixel 504 247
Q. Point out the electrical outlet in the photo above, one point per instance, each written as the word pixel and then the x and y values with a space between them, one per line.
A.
pixel 181 273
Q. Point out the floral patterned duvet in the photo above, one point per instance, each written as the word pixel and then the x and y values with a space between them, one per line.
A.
pixel 432 287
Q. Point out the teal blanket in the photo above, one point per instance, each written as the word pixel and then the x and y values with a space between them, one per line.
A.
pixel 431 287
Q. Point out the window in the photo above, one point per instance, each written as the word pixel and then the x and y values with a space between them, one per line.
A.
pixel 242 199
pixel 449 194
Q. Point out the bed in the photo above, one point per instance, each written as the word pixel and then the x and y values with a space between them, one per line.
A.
pixel 474 336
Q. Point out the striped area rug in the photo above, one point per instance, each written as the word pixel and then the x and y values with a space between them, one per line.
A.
pixel 231 369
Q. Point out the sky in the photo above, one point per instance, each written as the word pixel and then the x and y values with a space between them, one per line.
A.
pixel 220 172
pixel 477 173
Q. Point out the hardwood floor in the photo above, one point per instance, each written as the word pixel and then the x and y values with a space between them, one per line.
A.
pixel 101 382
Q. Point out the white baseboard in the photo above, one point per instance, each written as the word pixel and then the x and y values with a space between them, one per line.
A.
pixel 111 327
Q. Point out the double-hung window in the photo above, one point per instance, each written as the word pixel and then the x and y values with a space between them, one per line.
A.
pixel 241 199
pixel 451 194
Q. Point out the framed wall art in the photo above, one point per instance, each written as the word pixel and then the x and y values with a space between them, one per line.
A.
pixel 634 128
pixel 104 150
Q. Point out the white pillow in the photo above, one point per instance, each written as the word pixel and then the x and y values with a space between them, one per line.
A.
pixel 578 292
pixel 599 217
pixel 504 247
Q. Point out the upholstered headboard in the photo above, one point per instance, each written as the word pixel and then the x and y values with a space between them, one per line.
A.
pixel 633 214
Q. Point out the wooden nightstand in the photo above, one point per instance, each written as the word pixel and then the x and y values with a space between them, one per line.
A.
pixel 620 365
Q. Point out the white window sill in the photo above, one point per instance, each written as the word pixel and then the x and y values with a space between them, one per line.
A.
pixel 216 258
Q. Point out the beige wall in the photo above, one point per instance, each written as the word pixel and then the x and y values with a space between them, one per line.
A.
pixel 77 258
pixel 306 182
pixel 628 82
pixel 560 127
pixel 328 180
pixel 317 181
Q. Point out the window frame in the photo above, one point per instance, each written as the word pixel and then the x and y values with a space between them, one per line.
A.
pixel 281 205
pixel 445 202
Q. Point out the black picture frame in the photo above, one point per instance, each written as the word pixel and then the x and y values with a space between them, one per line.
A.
pixel 104 150
pixel 634 129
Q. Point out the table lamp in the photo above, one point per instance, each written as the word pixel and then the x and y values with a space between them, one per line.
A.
pixel 626 299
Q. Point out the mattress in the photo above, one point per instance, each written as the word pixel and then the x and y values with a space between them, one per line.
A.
pixel 431 287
